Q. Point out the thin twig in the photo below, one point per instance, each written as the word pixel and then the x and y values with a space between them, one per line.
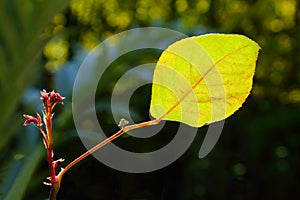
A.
pixel 106 141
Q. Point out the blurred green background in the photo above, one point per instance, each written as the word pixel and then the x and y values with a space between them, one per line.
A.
pixel 44 42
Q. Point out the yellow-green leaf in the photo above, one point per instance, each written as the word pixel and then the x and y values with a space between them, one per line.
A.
pixel 203 79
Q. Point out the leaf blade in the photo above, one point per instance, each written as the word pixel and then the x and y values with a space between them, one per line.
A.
pixel 196 80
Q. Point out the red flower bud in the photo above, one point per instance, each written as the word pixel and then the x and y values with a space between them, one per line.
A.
pixel 51 98
pixel 30 119
pixel 52 95
pixel 45 98
pixel 44 95
pixel 59 98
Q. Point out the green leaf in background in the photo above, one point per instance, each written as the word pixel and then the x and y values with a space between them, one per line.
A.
pixel 21 44
pixel 25 174
pixel 203 79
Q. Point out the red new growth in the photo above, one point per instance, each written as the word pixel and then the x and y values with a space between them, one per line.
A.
pixel 31 119
pixel 49 99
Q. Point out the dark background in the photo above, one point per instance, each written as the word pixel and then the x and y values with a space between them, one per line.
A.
pixel 42 46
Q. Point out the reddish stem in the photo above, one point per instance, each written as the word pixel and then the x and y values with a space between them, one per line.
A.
pixel 49 101
pixel 106 141
pixel 55 183
pixel 50 149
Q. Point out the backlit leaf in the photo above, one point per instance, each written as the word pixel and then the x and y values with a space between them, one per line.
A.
pixel 203 79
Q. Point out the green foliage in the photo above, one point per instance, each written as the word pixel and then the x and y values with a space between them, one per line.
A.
pixel 272 23
pixel 25 174
pixel 22 40
pixel 257 155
